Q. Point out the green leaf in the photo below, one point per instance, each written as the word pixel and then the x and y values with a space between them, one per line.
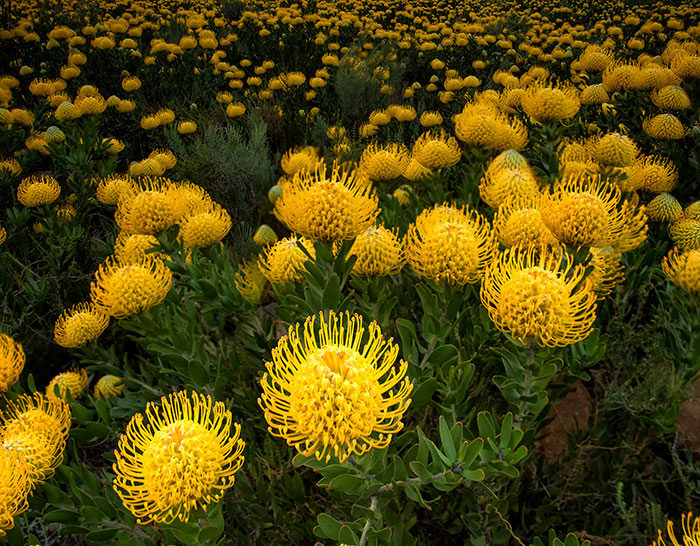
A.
pixel 446 438
pixel 474 475
pixel 443 355
pixel 424 393
pixel 347 483
pixel 98 430
pixel 61 516
pixel 472 452
pixel 198 373
pixel 421 470
pixel 485 425
pixel 15 537
pixel 208 533
pixel 348 536
pixel 330 526
pixel 101 535
pixel 331 293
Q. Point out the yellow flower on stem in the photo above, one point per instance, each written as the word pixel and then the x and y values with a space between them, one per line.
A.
pixel 108 386
pixel 204 228
pixel 436 150
pixel 284 261
pixel 539 296
pixel 329 206
pixel 250 282
pixel 548 104
pixel 146 207
pixel 12 360
pixel 384 162
pixel 15 487
pixel 123 289
pixel 35 191
pixel 79 325
pixel 300 159
pixel 379 252
pixel 181 456
pixel 329 394
pixel 691 532
pixel 451 244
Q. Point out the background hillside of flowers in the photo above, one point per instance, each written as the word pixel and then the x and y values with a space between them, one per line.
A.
pixel 349 273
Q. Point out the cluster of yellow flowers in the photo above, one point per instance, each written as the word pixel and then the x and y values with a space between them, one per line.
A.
pixel 32 439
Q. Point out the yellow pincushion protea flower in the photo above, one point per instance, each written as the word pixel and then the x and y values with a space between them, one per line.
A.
pixel 146 207
pixel 300 159
pixel 12 361
pixel 186 127
pixel 685 233
pixel 3 235
pixel 108 386
pixel 166 158
pixel 657 174
pixel 539 297
pixel 607 272
pixel 36 191
pixel 595 58
pixel 664 208
pixel 482 125
pixel 283 262
pixel 250 282
pixel 188 199
pixel 180 457
pixel 588 211
pixel 329 206
pixel 683 269
pixel 90 105
pixel 451 244
pixel 384 162
pixel 120 290
pixel 131 84
pixel 74 382
pixel 518 222
pixel 430 118
pixel 15 487
pixel 692 211
pixel 379 252
pixel 204 228
pixel 499 184
pixel 548 104
pixel 691 532
pixel 110 187
pixel 36 427
pixel 436 150
pixel 594 94
pixel 671 97
pixel 11 165
pixel 614 150
pixel 79 325
pixel 664 127
pixel 131 248
pixel 331 395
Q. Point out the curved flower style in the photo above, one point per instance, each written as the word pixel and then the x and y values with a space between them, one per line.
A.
pixel 683 269
pixel 436 150
pixel 146 207
pixel 671 97
pixel 384 162
pixel 329 394
pixel 79 325
pixel 547 104
pixel 331 206
pixel 583 211
pixel 379 252
pixel 182 456
pixel 691 532
pixel 108 386
pixel 12 361
pixel 539 297
pixel 15 487
pixel 283 262
pixel 120 290
pixel 35 191
pixel 450 243
pixel 36 426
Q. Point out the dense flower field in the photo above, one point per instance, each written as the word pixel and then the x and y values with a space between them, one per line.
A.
pixel 356 273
